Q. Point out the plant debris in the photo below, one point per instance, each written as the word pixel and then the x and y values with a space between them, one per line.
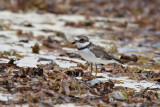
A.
pixel 40 67
pixel 35 48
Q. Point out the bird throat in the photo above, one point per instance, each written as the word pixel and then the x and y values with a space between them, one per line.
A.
pixel 84 46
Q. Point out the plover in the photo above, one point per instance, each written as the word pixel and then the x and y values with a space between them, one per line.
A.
pixel 92 53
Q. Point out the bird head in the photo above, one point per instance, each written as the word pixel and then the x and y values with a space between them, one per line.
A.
pixel 81 41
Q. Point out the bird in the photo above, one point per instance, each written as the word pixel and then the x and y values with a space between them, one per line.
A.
pixel 93 53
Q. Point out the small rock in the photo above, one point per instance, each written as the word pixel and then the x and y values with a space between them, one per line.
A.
pixel 119 95
pixel 93 82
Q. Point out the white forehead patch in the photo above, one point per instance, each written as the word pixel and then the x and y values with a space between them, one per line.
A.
pixel 76 38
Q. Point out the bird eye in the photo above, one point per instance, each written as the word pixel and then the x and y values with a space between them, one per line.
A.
pixel 81 40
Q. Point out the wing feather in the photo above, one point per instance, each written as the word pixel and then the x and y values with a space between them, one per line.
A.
pixel 100 53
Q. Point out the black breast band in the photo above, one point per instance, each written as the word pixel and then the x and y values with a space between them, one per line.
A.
pixel 84 47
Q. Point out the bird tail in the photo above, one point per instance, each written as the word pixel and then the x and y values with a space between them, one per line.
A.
pixel 121 62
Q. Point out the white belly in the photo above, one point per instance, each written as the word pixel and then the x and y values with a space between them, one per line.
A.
pixel 87 55
pixel 90 57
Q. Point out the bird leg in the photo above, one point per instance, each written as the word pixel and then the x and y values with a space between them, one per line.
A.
pixel 91 70
pixel 114 66
pixel 96 71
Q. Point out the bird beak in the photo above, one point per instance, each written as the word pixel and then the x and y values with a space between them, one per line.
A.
pixel 74 42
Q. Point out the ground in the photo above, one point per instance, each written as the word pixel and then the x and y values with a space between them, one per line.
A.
pixel 40 67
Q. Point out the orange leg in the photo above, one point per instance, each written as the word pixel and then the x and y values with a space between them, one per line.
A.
pixel 114 65
pixel 91 70
pixel 96 72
